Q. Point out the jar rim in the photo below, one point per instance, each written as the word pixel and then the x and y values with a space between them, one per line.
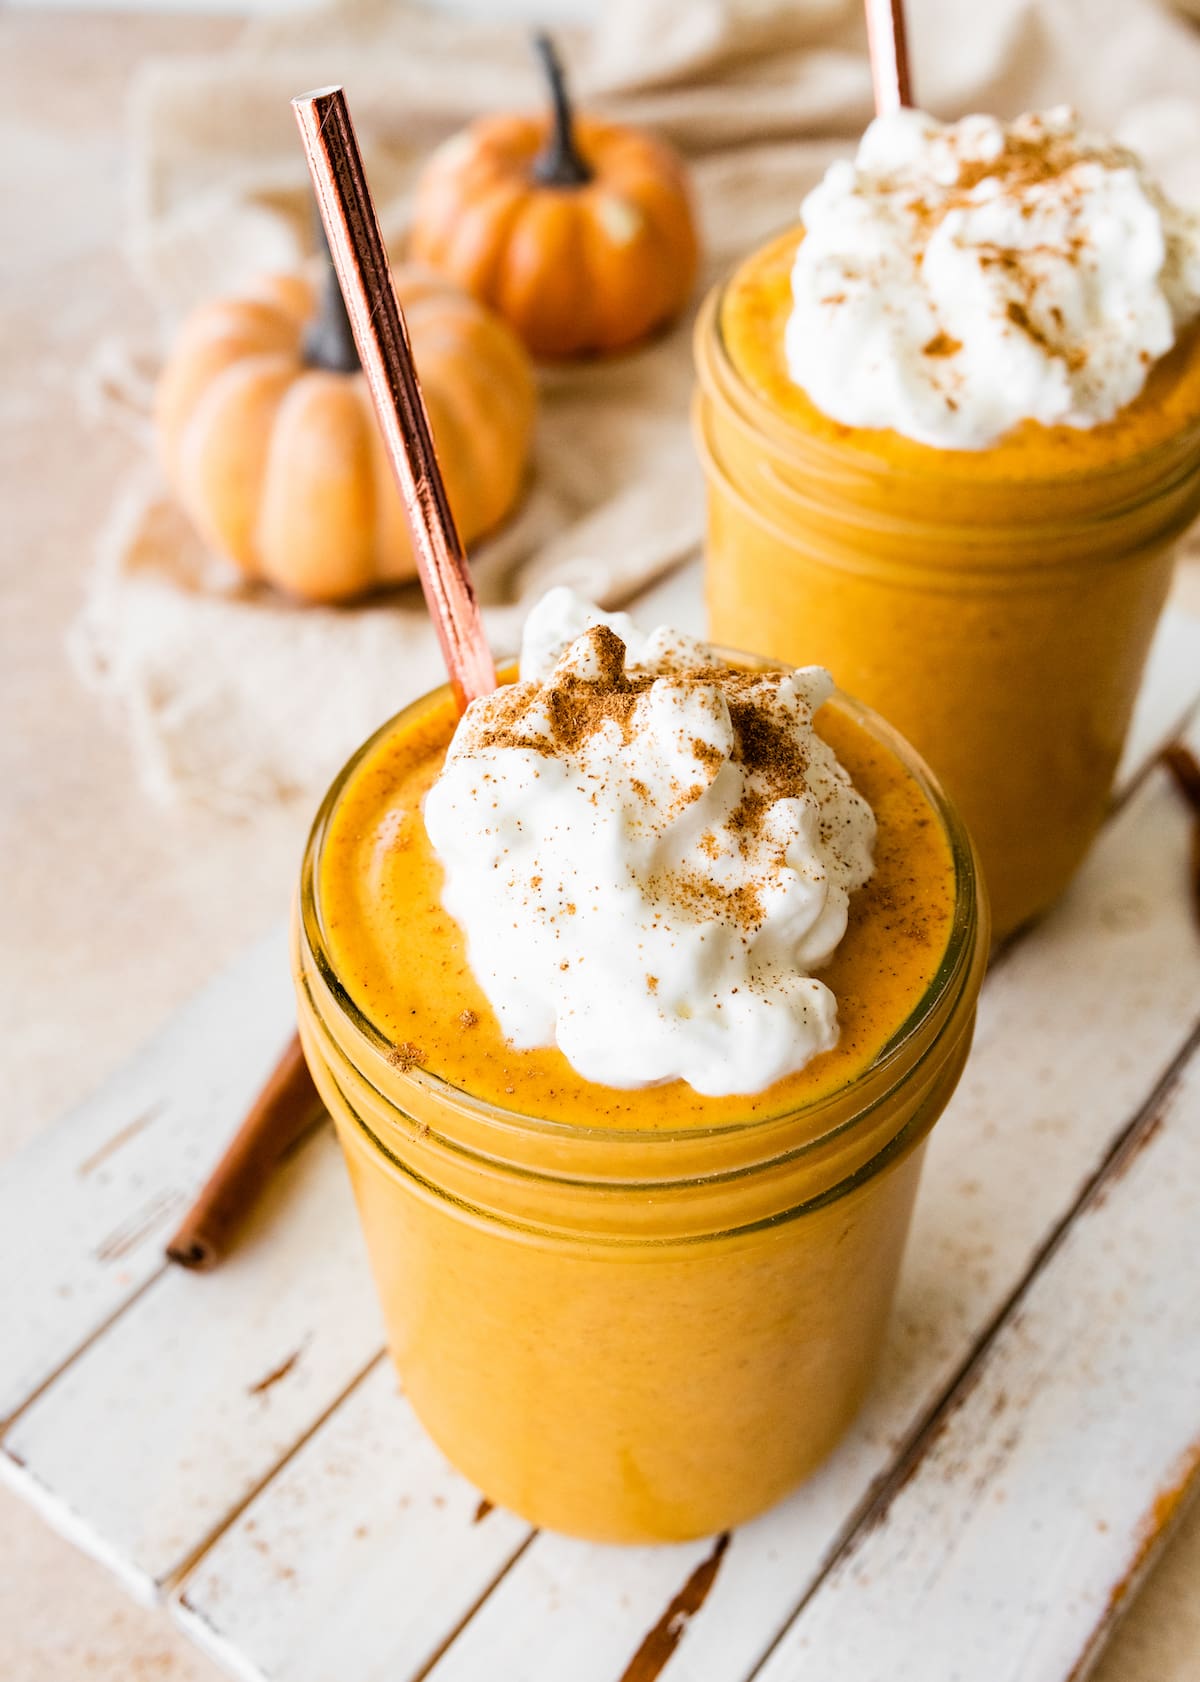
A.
pixel 964 952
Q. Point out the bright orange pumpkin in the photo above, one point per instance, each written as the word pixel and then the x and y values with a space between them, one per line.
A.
pixel 269 439
pixel 579 233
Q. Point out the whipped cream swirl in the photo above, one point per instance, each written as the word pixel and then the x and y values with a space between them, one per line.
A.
pixel 649 853
pixel 955 280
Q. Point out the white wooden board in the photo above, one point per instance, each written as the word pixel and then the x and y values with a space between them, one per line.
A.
pixel 165 1425
pixel 368 1516
pixel 240 1431
pixel 1164 701
pixel 119 1171
pixel 1007 1165
pixel 1048 1483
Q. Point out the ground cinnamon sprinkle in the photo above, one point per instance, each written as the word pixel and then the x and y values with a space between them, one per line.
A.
pixel 577 706
pixel 1037 158
pixel 709 756
pixel 1028 160
pixel 748 815
pixel 942 344
pixel 405 1056
pixel 468 1019
pixel 704 898
pixel 765 745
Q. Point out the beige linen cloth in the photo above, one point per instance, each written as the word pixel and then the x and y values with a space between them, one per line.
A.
pixel 233 696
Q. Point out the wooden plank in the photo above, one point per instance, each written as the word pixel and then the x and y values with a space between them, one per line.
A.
pixel 1049 1482
pixel 582 1601
pixel 1097 1003
pixel 401 1577
pixel 1163 702
pixel 149 1513
pixel 164 1426
pixel 113 1176
pixel 1008 1161
pixel 1075 1028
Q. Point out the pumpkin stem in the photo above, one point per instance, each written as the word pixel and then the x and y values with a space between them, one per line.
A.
pixel 559 163
pixel 329 337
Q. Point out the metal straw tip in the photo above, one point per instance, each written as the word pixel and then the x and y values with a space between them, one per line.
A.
pixel 316 93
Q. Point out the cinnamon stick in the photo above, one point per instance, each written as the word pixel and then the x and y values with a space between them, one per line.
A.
pixel 361 264
pixel 887 42
pixel 1184 767
pixel 287 1104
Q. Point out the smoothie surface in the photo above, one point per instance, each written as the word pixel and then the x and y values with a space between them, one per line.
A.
pixel 402 957
pixel 753 316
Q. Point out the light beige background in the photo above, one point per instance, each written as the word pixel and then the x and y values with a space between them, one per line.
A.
pixel 114 911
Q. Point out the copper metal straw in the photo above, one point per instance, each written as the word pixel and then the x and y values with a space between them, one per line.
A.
pixel 360 261
pixel 889 55
pixel 359 257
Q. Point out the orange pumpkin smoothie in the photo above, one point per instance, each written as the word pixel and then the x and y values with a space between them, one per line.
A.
pixel 628 1314
pixel 996 604
pixel 951 429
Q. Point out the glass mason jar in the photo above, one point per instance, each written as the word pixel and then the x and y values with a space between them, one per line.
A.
pixel 995 605
pixel 635 1335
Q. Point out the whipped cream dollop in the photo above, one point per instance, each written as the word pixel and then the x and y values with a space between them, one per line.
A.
pixel 649 853
pixel 954 280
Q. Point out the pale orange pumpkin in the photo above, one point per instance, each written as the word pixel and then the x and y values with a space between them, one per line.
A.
pixel 270 442
pixel 579 233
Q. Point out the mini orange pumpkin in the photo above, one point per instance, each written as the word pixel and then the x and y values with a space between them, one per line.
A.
pixel 269 439
pixel 580 233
